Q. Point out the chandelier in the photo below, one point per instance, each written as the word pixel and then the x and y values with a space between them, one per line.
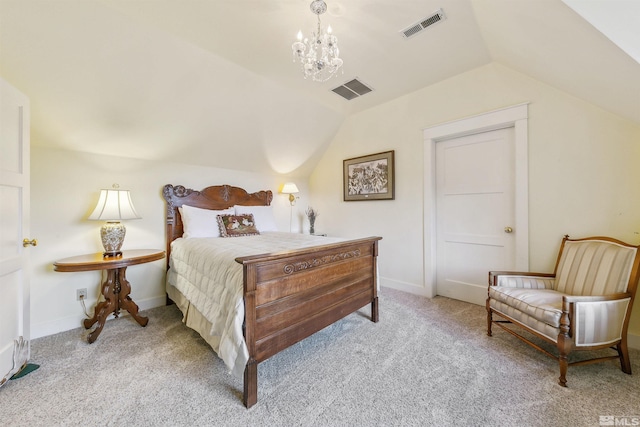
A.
pixel 318 55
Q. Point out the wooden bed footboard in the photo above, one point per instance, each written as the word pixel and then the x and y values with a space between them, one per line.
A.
pixel 291 295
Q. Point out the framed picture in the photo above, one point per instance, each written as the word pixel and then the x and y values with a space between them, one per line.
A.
pixel 369 177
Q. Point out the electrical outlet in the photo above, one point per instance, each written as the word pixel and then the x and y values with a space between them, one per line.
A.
pixel 81 294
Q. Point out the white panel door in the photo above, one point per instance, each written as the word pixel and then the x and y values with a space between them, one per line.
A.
pixel 14 227
pixel 475 212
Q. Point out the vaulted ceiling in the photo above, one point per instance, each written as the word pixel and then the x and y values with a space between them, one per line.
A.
pixel 196 80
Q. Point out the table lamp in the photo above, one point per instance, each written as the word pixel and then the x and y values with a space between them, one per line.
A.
pixel 113 206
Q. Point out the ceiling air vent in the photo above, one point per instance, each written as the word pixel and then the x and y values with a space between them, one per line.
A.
pixel 423 24
pixel 352 89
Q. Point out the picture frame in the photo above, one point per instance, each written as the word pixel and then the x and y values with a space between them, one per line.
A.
pixel 370 177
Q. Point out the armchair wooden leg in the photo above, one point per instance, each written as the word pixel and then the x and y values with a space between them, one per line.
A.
pixel 565 346
pixel 564 364
pixel 489 318
pixel 623 352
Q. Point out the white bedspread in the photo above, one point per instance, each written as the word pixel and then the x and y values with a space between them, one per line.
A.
pixel 206 273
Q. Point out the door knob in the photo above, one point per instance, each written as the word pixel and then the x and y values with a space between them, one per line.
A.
pixel 508 230
pixel 27 242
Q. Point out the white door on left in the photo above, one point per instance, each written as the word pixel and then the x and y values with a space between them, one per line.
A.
pixel 14 228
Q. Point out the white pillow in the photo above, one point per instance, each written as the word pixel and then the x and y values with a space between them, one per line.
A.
pixel 198 222
pixel 262 215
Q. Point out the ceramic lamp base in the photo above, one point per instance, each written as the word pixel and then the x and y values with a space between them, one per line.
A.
pixel 112 235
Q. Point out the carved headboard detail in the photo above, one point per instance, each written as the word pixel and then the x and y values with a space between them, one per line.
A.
pixel 215 197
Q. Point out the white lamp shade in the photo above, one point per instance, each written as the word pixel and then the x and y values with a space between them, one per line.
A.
pixel 114 205
pixel 289 188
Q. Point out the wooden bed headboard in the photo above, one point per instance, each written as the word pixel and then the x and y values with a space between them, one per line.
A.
pixel 215 197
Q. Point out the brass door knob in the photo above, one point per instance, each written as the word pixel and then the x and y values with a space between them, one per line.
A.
pixel 508 230
pixel 27 242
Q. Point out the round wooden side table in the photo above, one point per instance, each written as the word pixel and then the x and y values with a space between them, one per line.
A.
pixel 116 288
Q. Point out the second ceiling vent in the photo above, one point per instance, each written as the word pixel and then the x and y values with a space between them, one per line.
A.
pixel 352 89
pixel 423 24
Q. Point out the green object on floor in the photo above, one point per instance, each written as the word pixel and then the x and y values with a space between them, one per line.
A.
pixel 30 367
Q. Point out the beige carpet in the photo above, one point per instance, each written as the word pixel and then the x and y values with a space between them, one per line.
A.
pixel 428 362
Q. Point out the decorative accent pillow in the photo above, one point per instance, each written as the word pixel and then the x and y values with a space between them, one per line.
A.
pixel 237 225
pixel 199 222
pixel 265 221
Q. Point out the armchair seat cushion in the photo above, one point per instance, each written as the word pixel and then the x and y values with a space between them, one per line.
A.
pixel 521 318
pixel 543 305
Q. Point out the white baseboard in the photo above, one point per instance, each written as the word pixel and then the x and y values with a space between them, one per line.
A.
pixel 72 322
pixel 411 288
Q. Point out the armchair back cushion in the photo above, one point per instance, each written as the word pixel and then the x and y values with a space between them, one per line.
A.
pixel 595 267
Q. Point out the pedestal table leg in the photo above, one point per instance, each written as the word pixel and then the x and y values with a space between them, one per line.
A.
pixel 104 308
pixel 125 300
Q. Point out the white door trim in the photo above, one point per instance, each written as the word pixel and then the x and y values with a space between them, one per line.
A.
pixel 516 117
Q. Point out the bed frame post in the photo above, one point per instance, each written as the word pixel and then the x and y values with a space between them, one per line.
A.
pixel 374 302
pixel 250 396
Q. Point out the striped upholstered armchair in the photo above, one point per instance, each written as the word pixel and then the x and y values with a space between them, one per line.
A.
pixel 584 304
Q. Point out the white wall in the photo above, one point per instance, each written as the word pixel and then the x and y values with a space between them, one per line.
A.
pixel 583 179
pixel 64 190
pixel 583 170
